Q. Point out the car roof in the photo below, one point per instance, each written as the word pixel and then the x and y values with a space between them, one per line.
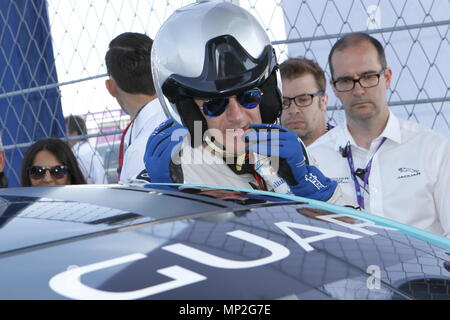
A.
pixel 220 238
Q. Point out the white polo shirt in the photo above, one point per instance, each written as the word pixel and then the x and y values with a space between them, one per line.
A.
pixel 90 163
pixel 410 173
pixel 135 141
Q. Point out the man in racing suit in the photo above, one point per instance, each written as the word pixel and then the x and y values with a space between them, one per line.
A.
pixel 220 84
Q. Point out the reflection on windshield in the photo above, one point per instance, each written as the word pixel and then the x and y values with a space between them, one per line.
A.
pixel 236 196
pixel 224 194
pixel 315 213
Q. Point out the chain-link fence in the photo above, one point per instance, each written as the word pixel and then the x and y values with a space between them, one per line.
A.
pixel 52 59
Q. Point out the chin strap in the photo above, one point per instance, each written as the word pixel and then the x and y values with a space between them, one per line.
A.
pixel 221 150
pixel 240 162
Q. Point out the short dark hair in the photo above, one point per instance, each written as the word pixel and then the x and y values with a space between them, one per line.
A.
pixel 128 63
pixel 353 39
pixel 76 124
pixel 296 67
pixel 61 151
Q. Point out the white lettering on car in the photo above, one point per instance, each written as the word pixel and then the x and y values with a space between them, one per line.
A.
pixel 333 218
pixel 68 283
pixel 286 227
pixel 278 252
pixel 374 280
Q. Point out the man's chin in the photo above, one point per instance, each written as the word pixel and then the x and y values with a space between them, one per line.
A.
pixel 297 126
pixel 363 113
pixel 299 131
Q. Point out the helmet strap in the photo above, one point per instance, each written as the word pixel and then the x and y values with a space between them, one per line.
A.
pixel 220 149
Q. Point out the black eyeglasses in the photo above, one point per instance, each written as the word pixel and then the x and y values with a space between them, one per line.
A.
pixel 367 80
pixel 302 100
pixel 248 99
pixel 38 172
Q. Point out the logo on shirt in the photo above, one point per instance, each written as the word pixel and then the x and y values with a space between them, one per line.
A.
pixel 341 180
pixel 407 173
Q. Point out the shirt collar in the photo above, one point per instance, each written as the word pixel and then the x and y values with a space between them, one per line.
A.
pixel 391 132
pixel 343 137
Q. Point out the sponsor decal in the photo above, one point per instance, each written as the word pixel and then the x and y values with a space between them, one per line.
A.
pixel 313 179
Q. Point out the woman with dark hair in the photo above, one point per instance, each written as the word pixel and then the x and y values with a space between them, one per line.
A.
pixel 50 162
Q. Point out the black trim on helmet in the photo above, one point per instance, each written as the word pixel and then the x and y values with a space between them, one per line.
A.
pixel 270 105
pixel 228 68
pixel 189 113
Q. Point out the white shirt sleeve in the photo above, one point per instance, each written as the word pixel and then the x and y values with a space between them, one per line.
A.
pixel 442 191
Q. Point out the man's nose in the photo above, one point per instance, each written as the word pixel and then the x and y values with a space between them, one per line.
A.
pixel 358 90
pixel 234 110
pixel 293 108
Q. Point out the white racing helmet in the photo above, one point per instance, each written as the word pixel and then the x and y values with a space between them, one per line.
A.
pixel 212 50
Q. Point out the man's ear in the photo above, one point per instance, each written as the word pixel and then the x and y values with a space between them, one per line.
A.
pixel 388 75
pixel 332 86
pixel 111 86
pixel 324 102
pixel 2 160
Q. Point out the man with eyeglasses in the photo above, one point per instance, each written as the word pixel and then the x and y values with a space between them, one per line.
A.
pixel 220 87
pixel 394 168
pixel 304 99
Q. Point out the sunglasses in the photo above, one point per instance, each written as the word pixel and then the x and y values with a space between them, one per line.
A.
pixel 38 172
pixel 248 99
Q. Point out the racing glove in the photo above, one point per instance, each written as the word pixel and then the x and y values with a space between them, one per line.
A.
pixel 304 180
pixel 163 146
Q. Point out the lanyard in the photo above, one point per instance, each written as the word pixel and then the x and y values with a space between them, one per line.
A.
pixel 329 126
pixel 351 164
pixel 121 151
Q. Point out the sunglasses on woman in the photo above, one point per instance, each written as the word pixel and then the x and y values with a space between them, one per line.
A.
pixel 248 99
pixel 38 172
